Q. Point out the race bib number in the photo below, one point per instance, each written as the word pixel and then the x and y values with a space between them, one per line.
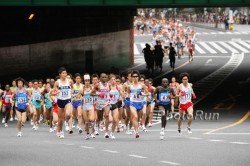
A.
pixel 164 97
pixel 88 100
pixel 37 97
pixel 21 100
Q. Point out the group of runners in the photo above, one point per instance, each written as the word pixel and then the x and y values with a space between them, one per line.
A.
pixel 164 32
pixel 99 103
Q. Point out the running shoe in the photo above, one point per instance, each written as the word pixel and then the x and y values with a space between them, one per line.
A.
pixel 87 137
pixel 96 132
pixel 106 135
pixel 162 134
pixel 80 131
pixel 3 121
pixel 67 128
pixel 58 134
pixel 55 128
pixel 128 132
pixel 11 119
pixel 34 126
pixel 61 135
pixel 5 125
pixel 189 130
pixel 144 128
pixel 51 130
pixel 137 135
pixel 112 136
pixel 92 135
pixel 149 124
pixel 71 131
pixel 19 134
pixel 118 130
pixel 179 131
pixel 16 118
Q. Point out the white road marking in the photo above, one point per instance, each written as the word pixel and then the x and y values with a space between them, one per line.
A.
pixel 229 33
pixel 205 33
pixel 136 51
pixel 236 33
pixel 214 140
pixel 167 61
pixel 244 32
pixel 214 33
pixel 218 47
pixel 110 151
pixel 67 144
pixel 208 56
pixel 238 47
pixel 228 47
pixel 201 51
pixel 170 163
pixel 230 133
pixel 142 45
pixel 207 47
pixel 222 33
pixel 240 143
pixel 175 130
pixel 209 60
pixel 137 156
pixel 195 138
pixel 87 147
pixel 244 44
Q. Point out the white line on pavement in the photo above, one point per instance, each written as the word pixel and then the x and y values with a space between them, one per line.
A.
pixel 87 147
pixel 244 44
pixel 240 143
pixel 136 51
pixel 111 151
pixel 168 162
pixel 195 138
pixel 207 47
pixel 230 133
pixel 201 51
pixel 229 47
pixel 218 47
pixel 239 47
pixel 136 156
pixel 167 61
pixel 214 140
pixel 67 144
pixel 176 129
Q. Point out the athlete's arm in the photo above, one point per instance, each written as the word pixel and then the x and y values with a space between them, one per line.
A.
pixel 145 90
pixel 172 93
pixel 93 92
pixel 55 91
pixel 178 90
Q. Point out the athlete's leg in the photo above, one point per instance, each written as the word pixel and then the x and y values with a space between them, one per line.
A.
pixel 180 119
pixel 134 118
pixel 115 115
pixel 19 120
pixel 190 116
pixel 106 115
pixel 86 121
pixel 80 115
pixel 92 119
pixel 151 113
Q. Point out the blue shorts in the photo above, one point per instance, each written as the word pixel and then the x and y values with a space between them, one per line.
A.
pixel 63 103
pixel 127 102
pixel 137 105
pixel 76 104
pixel 37 105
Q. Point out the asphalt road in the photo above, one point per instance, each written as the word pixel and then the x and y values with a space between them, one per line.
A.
pixel 225 141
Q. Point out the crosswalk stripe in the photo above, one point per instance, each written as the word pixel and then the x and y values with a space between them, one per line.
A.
pixel 229 33
pixel 136 51
pixel 228 47
pixel 244 32
pixel 236 33
pixel 214 33
pixel 205 33
pixel 244 44
pixel 238 47
pixel 142 45
pixel 208 48
pixel 222 33
pixel 197 48
pixel 218 47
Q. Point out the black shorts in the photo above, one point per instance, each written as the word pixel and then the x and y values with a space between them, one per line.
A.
pixel 119 104
pixel 167 108
pixel 21 110
pixel 166 47
pixel 63 103
pixel 113 107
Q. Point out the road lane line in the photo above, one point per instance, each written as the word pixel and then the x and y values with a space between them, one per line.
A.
pixel 214 140
pixel 170 163
pixel 207 47
pixel 110 151
pixel 218 47
pixel 228 47
pixel 230 133
pixel 231 125
pixel 137 156
pixel 240 143
pixel 87 147
pixel 238 47
pixel 195 138
pixel 244 44
pixel 136 51
pixel 197 48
